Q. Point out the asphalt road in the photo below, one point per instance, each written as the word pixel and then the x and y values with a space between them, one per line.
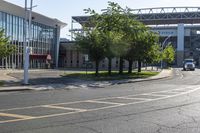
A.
pixel 163 106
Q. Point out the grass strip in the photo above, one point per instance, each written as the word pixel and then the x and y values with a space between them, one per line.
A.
pixel 104 76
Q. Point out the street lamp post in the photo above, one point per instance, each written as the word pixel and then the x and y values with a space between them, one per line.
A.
pixel 27 40
pixel 162 47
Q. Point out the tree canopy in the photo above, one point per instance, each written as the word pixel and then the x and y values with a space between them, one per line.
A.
pixel 116 33
pixel 5 48
pixel 92 44
pixel 168 54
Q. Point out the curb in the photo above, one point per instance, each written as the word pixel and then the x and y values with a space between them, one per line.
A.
pixel 126 82
pixel 14 90
pixel 142 80
pixel 114 83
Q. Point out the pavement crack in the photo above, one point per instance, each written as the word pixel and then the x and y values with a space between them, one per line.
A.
pixel 91 129
pixel 181 112
pixel 160 126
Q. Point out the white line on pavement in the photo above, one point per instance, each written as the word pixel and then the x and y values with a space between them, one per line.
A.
pixel 64 108
pixel 94 101
pixel 129 98
pixel 194 88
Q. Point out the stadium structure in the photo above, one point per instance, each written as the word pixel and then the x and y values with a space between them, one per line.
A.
pixel 177 25
pixel 44 42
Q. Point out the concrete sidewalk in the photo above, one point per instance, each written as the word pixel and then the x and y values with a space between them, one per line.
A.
pixel 73 85
pixel 6 78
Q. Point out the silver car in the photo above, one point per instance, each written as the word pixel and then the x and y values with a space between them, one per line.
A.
pixel 189 64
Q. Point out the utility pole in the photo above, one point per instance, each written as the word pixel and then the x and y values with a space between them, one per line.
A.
pixel 27 39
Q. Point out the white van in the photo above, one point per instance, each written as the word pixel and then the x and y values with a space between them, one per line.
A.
pixel 189 64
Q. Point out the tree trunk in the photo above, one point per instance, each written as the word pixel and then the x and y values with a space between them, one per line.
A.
pixel 109 66
pixel 97 68
pixel 146 66
pixel 139 65
pixel 120 65
pixel 130 66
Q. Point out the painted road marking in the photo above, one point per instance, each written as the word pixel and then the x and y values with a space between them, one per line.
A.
pixel 181 75
pixel 143 99
pixel 164 93
pixel 16 120
pixel 105 102
pixel 22 117
pixel 120 100
pixel 178 91
pixel 147 96
pixel 15 115
pixel 64 108
pixel 88 105
pixel 29 107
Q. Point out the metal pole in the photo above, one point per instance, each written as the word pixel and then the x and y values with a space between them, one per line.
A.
pixel 30 23
pixel 27 48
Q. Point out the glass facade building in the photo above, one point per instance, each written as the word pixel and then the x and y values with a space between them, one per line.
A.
pixel 43 44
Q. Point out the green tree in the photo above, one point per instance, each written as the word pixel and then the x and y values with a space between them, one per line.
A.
pixel 111 40
pixel 168 54
pixel 6 49
pixel 123 36
pixel 92 44
pixel 113 23
pixel 145 48
pixel 154 54
pixel 133 37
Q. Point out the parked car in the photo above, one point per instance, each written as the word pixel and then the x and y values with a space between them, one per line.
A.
pixel 189 64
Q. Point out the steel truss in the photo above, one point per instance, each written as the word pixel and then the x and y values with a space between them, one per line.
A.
pixel 161 15
pixel 154 16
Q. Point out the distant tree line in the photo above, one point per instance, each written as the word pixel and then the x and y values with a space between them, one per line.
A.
pixel 116 33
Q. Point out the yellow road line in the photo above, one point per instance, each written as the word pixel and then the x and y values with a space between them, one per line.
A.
pixel 90 110
pixel 60 114
pixel 20 108
pixel 15 120
pixel 30 107
pixel 15 115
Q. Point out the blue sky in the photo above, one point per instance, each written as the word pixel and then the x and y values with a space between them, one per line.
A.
pixel 64 9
